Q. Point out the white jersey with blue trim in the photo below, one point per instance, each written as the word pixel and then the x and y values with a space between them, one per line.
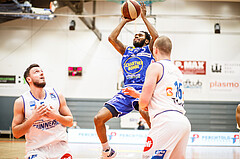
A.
pixel 44 131
pixel 135 62
pixel 168 94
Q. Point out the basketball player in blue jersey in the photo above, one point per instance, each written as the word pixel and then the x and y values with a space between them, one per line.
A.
pixel 162 95
pixel 135 60
pixel 42 115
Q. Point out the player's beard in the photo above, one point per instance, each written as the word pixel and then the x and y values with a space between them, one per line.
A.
pixel 139 44
pixel 39 85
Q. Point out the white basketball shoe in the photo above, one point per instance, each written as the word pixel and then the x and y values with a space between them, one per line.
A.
pixel 108 153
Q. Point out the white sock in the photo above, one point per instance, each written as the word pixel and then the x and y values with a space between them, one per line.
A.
pixel 105 146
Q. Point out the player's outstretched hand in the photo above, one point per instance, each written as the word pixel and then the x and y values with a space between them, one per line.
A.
pixel 143 10
pixel 131 92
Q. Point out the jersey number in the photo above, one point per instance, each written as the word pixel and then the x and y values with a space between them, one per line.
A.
pixel 179 90
pixel 179 94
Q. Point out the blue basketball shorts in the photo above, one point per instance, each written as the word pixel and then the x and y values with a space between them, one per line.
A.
pixel 121 104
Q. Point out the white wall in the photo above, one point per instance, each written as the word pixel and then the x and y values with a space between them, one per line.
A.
pixel 54 47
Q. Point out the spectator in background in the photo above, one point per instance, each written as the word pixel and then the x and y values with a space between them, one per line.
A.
pixel 75 126
pixel 141 125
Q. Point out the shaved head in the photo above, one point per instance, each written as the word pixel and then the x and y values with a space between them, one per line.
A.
pixel 163 44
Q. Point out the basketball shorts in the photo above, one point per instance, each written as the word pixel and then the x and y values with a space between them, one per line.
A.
pixel 122 104
pixel 58 150
pixel 168 136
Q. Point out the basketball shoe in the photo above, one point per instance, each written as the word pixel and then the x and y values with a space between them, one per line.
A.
pixel 108 153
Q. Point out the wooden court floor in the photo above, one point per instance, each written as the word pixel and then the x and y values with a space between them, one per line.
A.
pixel 10 149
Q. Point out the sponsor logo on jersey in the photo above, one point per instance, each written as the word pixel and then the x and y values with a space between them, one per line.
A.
pixel 144 54
pixel 159 154
pixel 133 76
pixel 169 91
pixel 32 156
pixel 52 95
pixel 148 144
pixel 66 156
pixel 131 48
pixel 133 65
pixel 32 103
pixel 45 124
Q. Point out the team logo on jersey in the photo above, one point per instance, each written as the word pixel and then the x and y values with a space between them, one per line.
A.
pixel 133 65
pixel 148 144
pixel 169 91
pixel 159 154
pixel 52 95
pixel 32 103
pixel 45 124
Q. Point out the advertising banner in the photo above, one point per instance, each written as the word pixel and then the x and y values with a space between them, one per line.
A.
pixel 140 136
pixel 191 67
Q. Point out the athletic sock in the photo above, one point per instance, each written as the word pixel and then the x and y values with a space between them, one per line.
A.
pixel 105 146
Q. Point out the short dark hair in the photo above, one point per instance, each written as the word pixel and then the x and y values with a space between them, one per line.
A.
pixel 26 73
pixel 147 35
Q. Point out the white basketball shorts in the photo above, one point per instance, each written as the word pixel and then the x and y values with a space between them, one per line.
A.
pixel 168 137
pixel 57 150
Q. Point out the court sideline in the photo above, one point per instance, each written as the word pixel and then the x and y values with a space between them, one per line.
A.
pixel 15 150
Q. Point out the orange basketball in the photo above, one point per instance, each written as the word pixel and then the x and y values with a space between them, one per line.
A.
pixel 131 9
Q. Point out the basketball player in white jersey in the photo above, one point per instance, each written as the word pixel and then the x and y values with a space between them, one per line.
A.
pixel 162 96
pixel 42 116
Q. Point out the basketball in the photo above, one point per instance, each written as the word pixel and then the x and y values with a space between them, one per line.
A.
pixel 131 9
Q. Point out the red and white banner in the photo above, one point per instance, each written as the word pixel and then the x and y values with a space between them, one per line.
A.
pixel 191 67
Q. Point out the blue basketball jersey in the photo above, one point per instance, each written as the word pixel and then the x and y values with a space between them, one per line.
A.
pixel 135 62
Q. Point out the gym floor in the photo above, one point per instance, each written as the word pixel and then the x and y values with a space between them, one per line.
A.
pixel 15 149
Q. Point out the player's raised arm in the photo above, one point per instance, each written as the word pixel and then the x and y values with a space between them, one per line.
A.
pixel 117 44
pixel 153 32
